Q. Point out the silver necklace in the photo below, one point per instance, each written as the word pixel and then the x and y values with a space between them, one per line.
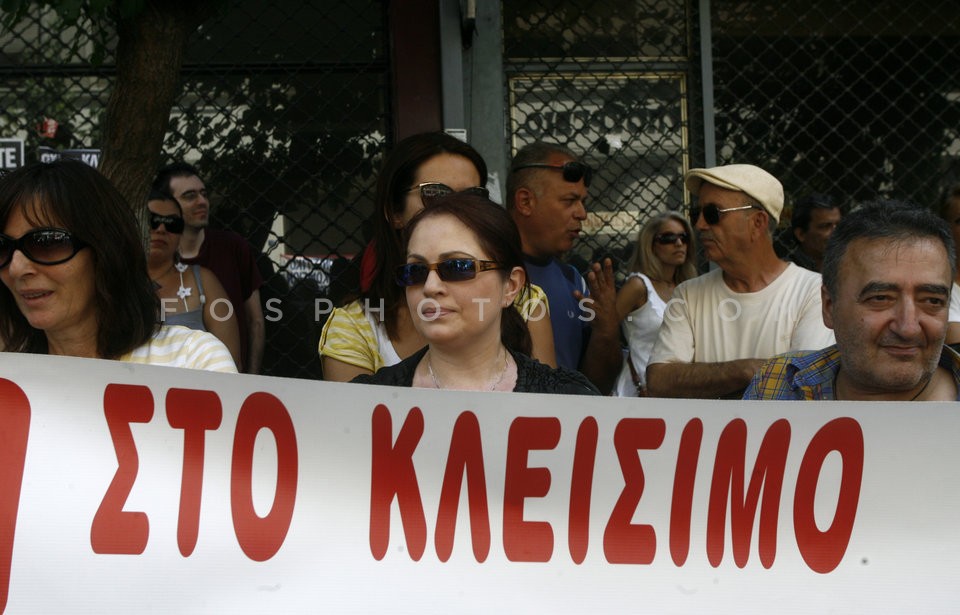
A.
pixel 493 387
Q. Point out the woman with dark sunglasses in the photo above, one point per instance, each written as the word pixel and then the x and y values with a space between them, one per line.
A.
pixel 463 272
pixel 75 278
pixel 190 295
pixel 664 256
pixel 376 330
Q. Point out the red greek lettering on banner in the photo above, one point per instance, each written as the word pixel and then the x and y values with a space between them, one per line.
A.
pixel 195 412
pixel 115 530
pixel 728 482
pixel 581 488
pixel 465 458
pixel 822 551
pixel 14 433
pixel 527 541
pixel 261 537
pixel 393 475
pixel 623 541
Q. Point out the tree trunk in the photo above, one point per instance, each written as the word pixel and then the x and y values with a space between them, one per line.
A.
pixel 150 51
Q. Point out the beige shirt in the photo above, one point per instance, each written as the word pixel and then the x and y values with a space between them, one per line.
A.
pixel 706 322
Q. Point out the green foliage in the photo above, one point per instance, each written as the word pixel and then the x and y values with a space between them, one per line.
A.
pixel 70 11
pixel 96 17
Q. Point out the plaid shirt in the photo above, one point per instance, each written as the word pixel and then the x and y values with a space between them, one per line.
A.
pixel 811 375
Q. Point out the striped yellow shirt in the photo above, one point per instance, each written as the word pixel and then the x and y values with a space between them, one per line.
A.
pixel 176 346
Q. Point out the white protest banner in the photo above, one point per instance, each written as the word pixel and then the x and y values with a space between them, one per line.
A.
pixel 129 488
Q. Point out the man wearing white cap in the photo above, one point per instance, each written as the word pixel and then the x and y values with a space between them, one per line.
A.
pixel 719 328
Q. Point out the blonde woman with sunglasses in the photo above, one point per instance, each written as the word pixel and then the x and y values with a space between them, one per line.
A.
pixel 663 257
pixel 376 330
pixel 462 273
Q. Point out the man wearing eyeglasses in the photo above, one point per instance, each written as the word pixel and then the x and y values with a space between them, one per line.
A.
pixel 719 328
pixel 546 195
pixel 224 252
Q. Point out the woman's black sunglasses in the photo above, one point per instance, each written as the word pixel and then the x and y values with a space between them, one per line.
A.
pixel 173 224
pixel 711 213
pixel 572 171
pixel 450 270
pixel 45 246
pixel 666 239
pixel 430 191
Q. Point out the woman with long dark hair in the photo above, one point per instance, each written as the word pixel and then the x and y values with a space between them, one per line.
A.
pixel 463 270
pixel 75 276
pixel 376 330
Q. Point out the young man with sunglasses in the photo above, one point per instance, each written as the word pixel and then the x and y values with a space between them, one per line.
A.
pixel 224 252
pixel 719 328
pixel 546 195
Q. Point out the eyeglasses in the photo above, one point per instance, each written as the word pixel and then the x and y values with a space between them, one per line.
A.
pixel 430 191
pixel 450 270
pixel 572 171
pixel 192 195
pixel 666 239
pixel 711 213
pixel 173 224
pixel 46 246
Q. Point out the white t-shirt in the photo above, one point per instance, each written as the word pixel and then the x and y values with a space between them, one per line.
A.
pixel 706 322
pixel 177 346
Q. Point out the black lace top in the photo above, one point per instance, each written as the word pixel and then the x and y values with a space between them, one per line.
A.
pixel 532 376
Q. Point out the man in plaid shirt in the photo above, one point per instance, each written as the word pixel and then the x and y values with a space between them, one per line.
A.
pixel 887 275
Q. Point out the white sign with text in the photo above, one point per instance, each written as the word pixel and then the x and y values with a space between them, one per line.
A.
pixel 136 488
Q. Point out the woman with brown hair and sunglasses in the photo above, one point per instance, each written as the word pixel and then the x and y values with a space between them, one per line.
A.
pixel 376 330
pixel 664 256
pixel 463 272
pixel 190 295
pixel 74 274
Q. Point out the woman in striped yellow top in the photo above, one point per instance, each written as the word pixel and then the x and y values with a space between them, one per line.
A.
pixel 75 277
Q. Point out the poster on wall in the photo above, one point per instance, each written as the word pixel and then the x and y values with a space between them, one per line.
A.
pixel 11 154
pixel 89 157
pixel 630 127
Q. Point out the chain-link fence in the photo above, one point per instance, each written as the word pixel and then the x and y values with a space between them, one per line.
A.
pixel 611 81
pixel 285 108
pixel 857 100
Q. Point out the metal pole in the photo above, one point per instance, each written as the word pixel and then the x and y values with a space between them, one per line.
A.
pixel 706 74
pixel 451 66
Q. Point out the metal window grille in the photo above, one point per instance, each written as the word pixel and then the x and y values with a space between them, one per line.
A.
pixel 285 109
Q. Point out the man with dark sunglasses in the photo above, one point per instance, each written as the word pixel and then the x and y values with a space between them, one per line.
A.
pixel 719 328
pixel 224 252
pixel 546 194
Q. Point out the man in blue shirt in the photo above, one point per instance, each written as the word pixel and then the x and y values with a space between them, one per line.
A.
pixel 546 195
pixel 887 274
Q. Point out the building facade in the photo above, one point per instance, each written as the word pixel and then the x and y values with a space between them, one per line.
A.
pixel 288 107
